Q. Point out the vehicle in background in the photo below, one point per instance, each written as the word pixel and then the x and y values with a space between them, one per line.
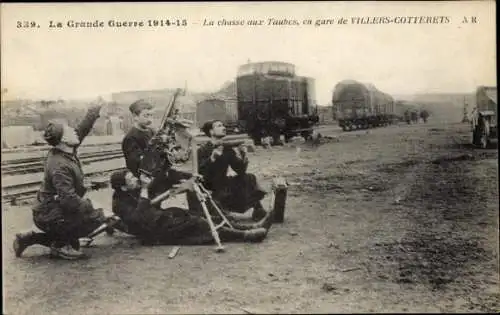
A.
pixel 485 116
pixel 361 106
pixel 223 109
pixel 273 101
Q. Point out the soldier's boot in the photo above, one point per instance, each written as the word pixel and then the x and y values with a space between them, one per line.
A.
pixel 66 252
pixel 25 240
pixel 234 235
pixel 255 235
pixel 258 212
pixel 22 241
pixel 121 226
pixel 265 222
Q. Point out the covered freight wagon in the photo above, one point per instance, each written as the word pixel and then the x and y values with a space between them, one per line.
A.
pixel 274 101
pixel 225 110
pixel 361 106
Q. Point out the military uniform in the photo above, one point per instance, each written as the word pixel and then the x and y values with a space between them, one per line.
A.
pixel 133 146
pixel 60 210
pixel 174 226
pixel 234 193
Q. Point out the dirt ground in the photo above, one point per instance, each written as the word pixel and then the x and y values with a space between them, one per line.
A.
pixel 395 219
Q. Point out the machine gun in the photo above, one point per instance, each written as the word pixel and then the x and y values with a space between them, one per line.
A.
pixel 162 150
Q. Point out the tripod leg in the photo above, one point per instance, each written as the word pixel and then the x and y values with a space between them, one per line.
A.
pixel 224 218
pixel 101 229
pixel 215 235
pixel 219 210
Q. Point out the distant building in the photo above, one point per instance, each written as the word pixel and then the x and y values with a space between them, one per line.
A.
pixel 17 136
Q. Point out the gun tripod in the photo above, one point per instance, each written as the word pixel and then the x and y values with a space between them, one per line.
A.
pixel 206 201
pixel 204 197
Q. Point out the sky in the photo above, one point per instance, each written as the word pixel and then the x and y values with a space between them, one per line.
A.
pixel 398 59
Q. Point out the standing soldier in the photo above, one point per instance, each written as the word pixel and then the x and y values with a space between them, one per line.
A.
pixel 134 146
pixel 61 212
pixel 135 143
pixel 414 116
pixel 136 140
pixel 424 114
pixel 407 117
pixel 234 193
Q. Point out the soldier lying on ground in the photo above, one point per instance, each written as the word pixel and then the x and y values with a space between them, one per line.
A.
pixel 234 193
pixel 61 212
pixel 172 226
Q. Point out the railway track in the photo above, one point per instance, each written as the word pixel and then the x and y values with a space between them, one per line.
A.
pixel 24 188
pixel 25 175
pixel 36 164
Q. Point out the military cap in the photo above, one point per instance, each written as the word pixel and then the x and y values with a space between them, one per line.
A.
pixel 117 179
pixel 138 106
pixel 53 133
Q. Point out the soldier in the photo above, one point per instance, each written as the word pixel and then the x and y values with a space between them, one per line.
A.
pixel 137 138
pixel 171 226
pixel 234 193
pixel 424 114
pixel 61 212
pixel 136 142
pixel 407 117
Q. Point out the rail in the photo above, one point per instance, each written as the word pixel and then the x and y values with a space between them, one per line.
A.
pixel 33 165
pixel 25 175
pixel 24 187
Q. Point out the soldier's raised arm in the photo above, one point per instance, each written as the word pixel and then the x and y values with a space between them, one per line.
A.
pixel 86 125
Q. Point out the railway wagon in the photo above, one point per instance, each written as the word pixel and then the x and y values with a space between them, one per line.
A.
pixel 225 110
pixel 274 101
pixel 361 106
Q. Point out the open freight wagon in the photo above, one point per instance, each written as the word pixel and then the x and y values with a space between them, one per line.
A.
pixel 273 101
pixel 361 106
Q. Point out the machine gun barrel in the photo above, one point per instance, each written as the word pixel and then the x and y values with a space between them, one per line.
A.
pixel 232 143
pixel 169 110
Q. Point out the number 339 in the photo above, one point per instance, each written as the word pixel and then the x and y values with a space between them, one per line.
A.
pixel 27 24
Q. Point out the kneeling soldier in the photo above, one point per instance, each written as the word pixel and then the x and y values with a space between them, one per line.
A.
pixel 172 226
pixel 61 212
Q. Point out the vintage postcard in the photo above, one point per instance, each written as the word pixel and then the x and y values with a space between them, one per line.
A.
pixel 249 157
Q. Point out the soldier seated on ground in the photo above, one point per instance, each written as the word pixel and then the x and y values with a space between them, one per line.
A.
pixel 61 212
pixel 172 226
pixel 237 193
